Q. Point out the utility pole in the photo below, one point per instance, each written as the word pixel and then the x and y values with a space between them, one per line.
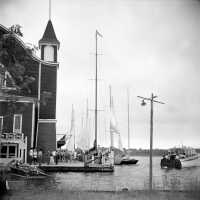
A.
pixel 151 99
pixel 128 119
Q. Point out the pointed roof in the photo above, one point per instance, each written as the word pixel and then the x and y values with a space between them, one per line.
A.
pixel 49 35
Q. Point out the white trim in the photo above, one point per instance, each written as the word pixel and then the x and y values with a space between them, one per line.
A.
pixel 14 117
pixel 47 120
pixel 38 114
pixel 48 43
pixel 39 81
pixel 33 125
pixel 18 101
pixel 1 125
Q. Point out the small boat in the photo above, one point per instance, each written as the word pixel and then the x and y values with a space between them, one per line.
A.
pixel 170 162
pixel 184 154
pixel 26 170
pixel 128 160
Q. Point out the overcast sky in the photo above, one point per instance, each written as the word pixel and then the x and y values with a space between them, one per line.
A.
pixel 147 46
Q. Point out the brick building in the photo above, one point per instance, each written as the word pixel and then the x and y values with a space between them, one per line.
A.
pixel 31 113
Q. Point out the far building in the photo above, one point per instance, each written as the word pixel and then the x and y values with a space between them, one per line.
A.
pixel 28 117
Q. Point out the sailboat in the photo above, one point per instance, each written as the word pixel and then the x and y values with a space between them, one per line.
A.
pixel 67 141
pixel 83 139
pixel 96 157
pixel 71 144
pixel 128 159
pixel 121 157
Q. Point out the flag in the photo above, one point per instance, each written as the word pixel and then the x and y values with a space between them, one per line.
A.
pixel 61 142
pixel 97 33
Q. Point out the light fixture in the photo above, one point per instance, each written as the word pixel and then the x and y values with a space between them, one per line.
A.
pixel 143 103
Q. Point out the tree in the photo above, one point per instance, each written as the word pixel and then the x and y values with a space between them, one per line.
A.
pixel 13 63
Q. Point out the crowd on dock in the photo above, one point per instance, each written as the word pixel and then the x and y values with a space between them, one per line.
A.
pixel 66 156
pixel 54 157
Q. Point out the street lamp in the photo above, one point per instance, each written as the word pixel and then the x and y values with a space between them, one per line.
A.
pixel 143 103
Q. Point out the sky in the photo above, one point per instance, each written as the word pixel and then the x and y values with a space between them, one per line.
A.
pixel 147 47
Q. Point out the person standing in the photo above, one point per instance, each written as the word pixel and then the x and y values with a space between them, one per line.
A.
pixel 31 155
pixel 52 161
pixel 35 156
pixel 56 157
pixel 48 157
pixel 40 156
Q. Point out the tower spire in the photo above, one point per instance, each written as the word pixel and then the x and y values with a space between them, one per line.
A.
pixel 49 9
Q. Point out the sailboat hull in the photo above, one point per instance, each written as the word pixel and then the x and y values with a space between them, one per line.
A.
pixel 128 162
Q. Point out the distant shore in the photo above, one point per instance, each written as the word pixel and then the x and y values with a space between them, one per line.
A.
pixel 156 152
pixel 103 195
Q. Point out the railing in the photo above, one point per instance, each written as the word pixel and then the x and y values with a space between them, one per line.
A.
pixel 12 136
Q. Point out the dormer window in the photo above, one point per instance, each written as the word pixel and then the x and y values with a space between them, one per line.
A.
pixel 6 80
pixel 17 125
pixel 2 78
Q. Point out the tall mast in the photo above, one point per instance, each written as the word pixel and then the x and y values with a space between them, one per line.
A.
pixel 87 124
pixel 87 114
pixel 96 88
pixel 72 129
pixel 128 119
pixel 111 134
pixel 96 94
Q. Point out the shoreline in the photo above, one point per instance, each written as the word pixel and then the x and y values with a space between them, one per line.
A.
pixel 103 195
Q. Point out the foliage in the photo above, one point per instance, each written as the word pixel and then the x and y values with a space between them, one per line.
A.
pixel 11 61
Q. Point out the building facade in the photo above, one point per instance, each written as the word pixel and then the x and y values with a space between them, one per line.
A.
pixel 33 110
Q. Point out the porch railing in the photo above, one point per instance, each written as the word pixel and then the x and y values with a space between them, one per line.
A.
pixel 12 136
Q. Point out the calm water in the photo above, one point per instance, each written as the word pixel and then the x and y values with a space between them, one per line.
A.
pixel 134 177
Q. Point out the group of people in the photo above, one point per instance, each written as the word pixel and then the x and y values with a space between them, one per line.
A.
pixel 60 156
pixel 53 157
pixel 36 156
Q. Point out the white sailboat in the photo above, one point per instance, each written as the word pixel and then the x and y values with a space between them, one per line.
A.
pixel 70 142
pixel 121 157
pixel 83 139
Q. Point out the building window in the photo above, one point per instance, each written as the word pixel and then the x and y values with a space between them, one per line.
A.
pixel 49 53
pixel 3 152
pixel 2 78
pixel 8 151
pixel 17 126
pixel 6 80
pixel 1 124
pixel 12 152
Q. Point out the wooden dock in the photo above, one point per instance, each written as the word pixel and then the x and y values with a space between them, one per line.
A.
pixel 74 167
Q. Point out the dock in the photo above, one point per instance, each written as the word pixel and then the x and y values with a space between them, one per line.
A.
pixel 76 167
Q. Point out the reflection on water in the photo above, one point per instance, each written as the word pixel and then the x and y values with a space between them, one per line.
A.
pixel 133 177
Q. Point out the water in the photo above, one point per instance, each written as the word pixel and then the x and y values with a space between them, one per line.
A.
pixel 133 177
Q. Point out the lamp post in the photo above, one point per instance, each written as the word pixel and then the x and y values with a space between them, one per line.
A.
pixel 151 99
